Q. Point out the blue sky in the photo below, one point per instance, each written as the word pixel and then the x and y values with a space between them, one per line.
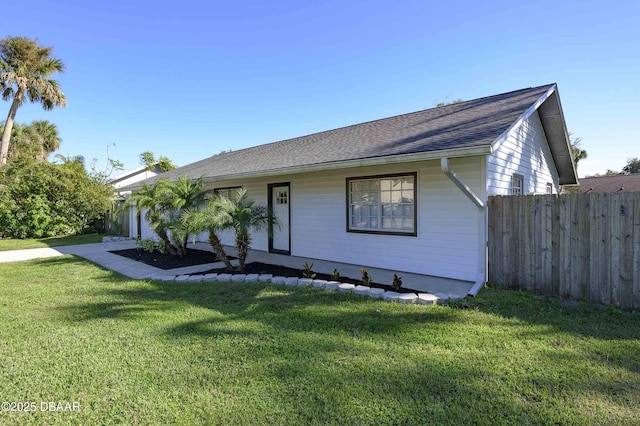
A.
pixel 188 79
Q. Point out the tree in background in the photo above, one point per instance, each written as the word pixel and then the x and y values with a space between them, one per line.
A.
pixel 46 137
pixel 163 163
pixel 633 166
pixel 25 68
pixel 35 141
pixel 42 199
pixel 445 103
pixel 576 148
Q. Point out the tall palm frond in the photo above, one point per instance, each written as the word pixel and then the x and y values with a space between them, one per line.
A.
pixel 25 70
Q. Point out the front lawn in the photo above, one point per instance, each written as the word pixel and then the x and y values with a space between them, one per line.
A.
pixel 141 352
pixel 29 243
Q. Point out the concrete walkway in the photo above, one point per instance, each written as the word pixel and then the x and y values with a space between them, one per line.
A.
pixel 99 253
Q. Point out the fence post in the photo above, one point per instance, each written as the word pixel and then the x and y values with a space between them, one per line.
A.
pixel 626 249
pixel 636 250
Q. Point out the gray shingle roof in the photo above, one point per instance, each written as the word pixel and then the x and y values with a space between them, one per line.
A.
pixel 620 183
pixel 462 125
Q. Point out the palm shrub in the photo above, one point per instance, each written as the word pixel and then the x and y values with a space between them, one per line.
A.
pixel 246 216
pixel 213 217
pixel 151 200
pixel 179 196
pixel 164 202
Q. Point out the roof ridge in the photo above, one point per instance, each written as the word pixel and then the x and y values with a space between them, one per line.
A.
pixel 384 118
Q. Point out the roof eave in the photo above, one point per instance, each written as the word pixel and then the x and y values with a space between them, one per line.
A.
pixel 362 162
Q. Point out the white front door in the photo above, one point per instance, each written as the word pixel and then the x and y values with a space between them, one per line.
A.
pixel 280 207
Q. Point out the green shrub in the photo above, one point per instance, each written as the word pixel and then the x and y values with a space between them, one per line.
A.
pixel 151 245
pixel 397 282
pixel 307 270
pixel 366 279
pixel 41 199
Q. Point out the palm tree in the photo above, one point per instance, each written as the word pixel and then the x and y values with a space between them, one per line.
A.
pixel 152 199
pixel 165 201
pixel 25 68
pixel 179 196
pixel 247 216
pixel 76 159
pixel 45 135
pixel 34 141
pixel 20 141
pixel 213 217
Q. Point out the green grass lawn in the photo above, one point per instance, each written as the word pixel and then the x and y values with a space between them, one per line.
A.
pixel 29 243
pixel 141 352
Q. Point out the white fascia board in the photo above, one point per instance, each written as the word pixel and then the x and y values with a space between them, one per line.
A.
pixel 376 161
pixel 127 174
pixel 525 115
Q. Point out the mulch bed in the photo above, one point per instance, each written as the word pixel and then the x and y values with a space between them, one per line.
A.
pixel 199 257
pixel 283 271
pixel 167 261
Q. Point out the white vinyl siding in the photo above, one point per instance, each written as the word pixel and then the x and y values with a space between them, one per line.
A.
pixel 525 152
pixel 449 227
pixel 449 231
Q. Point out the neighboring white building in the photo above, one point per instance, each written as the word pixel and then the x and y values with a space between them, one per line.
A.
pixel 405 193
pixel 126 221
pixel 131 177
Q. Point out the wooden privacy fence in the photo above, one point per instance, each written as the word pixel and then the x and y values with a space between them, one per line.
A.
pixel 579 246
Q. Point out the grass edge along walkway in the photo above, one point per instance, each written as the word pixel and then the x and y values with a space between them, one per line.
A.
pixel 7 244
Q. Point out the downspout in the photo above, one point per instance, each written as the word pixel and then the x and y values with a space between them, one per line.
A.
pixel 446 169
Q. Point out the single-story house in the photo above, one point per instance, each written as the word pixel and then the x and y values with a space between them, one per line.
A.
pixel 405 193
pixel 617 183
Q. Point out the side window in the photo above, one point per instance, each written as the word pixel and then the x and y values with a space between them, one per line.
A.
pixel 226 192
pixel 517 184
pixel 382 204
pixel 549 188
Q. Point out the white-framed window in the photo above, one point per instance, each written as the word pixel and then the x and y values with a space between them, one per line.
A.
pixel 517 184
pixel 549 188
pixel 227 192
pixel 382 204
